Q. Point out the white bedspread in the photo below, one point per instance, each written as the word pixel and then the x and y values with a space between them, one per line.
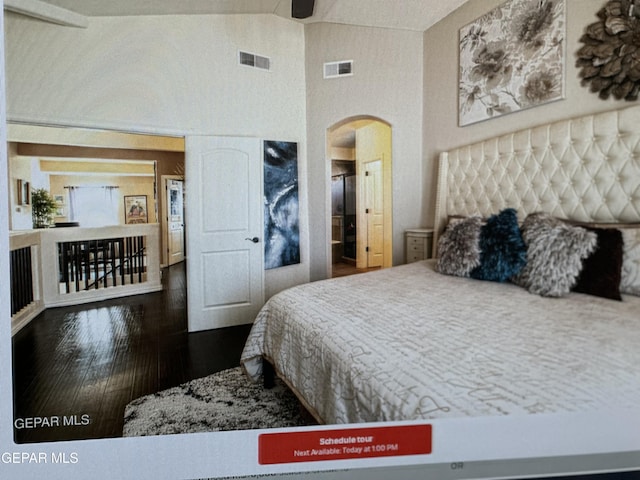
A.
pixel 409 343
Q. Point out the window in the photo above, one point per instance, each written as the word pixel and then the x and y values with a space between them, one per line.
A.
pixel 94 206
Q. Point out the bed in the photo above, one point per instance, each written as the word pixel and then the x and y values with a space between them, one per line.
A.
pixel 412 342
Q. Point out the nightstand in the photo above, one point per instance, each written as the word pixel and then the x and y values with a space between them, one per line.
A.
pixel 419 243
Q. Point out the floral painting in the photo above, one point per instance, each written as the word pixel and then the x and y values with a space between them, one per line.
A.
pixel 512 58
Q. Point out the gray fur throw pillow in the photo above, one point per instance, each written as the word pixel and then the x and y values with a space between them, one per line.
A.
pixel 459 247
pixel 555 254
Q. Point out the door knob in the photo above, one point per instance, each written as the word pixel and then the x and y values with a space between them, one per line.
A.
pixel 254 239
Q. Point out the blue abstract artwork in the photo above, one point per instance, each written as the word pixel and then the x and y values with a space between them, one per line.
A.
pixel 281 204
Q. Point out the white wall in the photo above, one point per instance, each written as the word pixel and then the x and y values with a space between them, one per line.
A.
pixel 387 83
pixel 166 74
pixel 441 131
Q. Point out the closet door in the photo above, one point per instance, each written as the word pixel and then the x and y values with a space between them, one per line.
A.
pixel 223 196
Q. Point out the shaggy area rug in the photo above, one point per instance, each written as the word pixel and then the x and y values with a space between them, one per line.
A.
pixel 226 400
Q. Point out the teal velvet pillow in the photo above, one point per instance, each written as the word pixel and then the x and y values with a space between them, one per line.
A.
pixel 503 252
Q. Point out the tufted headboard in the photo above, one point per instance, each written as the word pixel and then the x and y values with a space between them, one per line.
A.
pixel 586 169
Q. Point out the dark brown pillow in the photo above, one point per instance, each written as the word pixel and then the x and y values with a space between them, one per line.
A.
pixel 601 271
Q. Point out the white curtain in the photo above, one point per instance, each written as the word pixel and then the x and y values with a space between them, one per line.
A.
pixel 93 206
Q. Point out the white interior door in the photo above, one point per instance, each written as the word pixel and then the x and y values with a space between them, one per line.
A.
pixel 225 271
pixel 374 199
pixel 175 220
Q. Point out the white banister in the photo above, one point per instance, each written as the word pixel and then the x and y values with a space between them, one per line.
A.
pixel 46 259
pixel 27 310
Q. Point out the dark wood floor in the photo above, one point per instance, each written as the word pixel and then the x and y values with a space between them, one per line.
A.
pixel 342 269
pixel 88 362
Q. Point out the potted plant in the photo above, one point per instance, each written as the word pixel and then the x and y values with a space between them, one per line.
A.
pixel 43 206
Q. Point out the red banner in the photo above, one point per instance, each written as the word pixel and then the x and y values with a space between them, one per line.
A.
pixel 320 445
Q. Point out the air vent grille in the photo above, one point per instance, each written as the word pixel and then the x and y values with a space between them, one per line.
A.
pixel 252 60
pixel 343 68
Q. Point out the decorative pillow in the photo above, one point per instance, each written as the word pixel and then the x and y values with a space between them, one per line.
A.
pixel 619 226
pixel 630 274
pixel 503 252
pixel 458 247
pixel 555 251
pixel 454 219
pixel 601 271
pixel 451 219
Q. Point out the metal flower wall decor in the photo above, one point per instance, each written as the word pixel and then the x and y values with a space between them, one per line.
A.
pixel 511 58
pixel 610 57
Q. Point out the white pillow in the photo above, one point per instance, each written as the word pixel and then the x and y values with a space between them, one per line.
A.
pixel 630 281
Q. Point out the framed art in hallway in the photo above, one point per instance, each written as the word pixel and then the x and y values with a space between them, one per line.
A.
pixel 24 192
pixel 511 59
pixel 135 209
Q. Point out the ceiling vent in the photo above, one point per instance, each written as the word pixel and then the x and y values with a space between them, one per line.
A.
pixel 338 69
pixel 255 61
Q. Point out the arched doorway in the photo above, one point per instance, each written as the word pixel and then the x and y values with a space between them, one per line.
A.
pixel 360 154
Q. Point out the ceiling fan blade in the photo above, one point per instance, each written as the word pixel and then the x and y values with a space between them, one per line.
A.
pixel 302 8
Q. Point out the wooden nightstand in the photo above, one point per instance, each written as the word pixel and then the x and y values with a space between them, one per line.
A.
pixel 419 242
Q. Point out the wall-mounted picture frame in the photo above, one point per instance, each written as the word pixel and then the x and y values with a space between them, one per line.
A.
pixel 135 209
pixel 281 223
pixel 511 59
pixel 24 192
pixel 59 199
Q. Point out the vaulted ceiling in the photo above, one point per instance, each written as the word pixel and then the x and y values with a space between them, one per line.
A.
pixel 416 15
